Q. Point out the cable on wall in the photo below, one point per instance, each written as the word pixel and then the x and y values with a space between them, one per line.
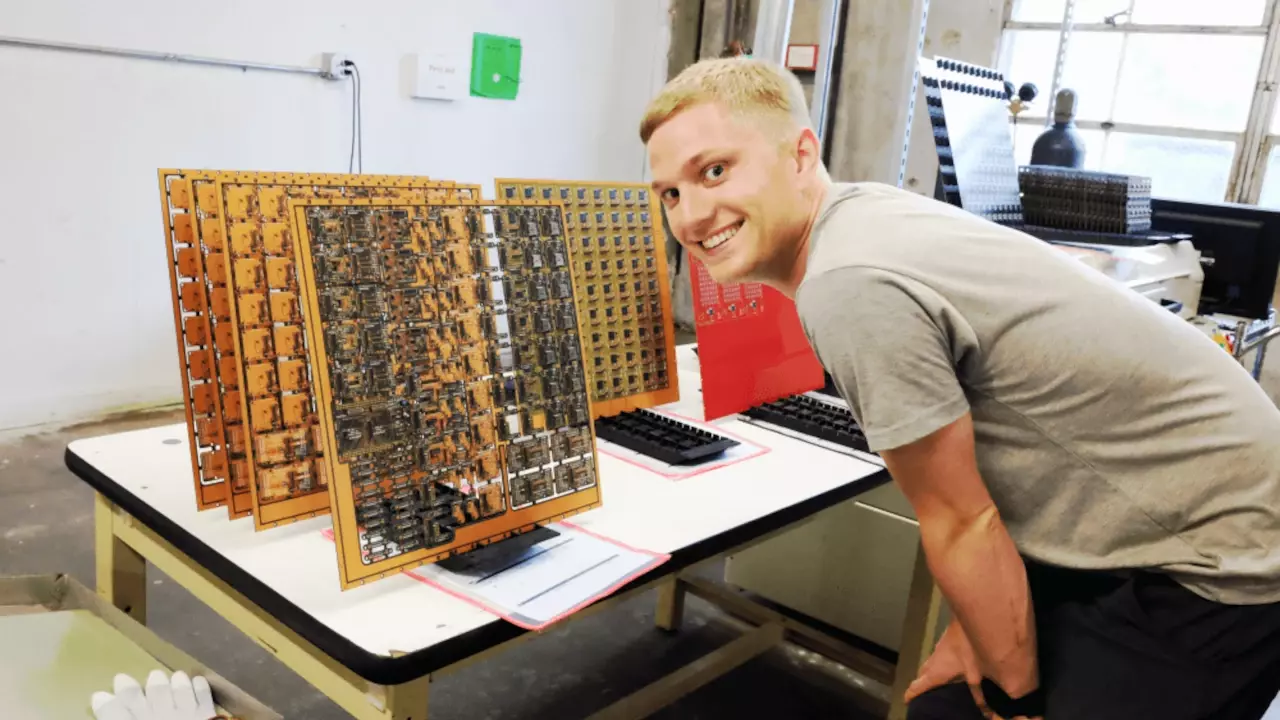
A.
pixel 357 120
pixel 160 56
pixel 328 73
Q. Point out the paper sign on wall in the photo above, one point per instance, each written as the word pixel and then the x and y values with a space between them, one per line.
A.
pixel 440 76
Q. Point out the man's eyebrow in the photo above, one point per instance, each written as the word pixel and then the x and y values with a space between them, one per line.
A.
pixel 699 158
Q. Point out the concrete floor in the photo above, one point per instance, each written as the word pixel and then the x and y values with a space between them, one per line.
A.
pixel 46 526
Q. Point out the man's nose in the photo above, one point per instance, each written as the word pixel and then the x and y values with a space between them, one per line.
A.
pixel 697 213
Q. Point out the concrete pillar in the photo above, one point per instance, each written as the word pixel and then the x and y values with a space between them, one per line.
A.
pixel 773 29
pixel 868 135
pixel 686 35
pixel 715 27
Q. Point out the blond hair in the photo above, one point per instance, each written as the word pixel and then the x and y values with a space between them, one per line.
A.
pixel 745 86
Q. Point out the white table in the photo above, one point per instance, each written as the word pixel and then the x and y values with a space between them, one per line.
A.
pixel 373 649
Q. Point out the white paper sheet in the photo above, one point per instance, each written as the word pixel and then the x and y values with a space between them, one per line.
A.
pixel 535 584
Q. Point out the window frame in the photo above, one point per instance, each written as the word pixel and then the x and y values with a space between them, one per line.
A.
pixel 1253 143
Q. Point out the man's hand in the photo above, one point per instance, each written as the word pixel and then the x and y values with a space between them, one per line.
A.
pixel 952 661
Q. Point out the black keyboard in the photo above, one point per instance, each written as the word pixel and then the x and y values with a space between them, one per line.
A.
pixel 813 417
pixel 662 438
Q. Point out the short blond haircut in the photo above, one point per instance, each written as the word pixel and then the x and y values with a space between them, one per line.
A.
pixel 745 86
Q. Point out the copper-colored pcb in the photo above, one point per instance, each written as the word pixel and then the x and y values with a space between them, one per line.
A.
pixel 615 245
pixel 419 398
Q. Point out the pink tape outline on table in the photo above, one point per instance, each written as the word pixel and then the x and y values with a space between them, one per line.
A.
pixel 659 559
pixel 677 476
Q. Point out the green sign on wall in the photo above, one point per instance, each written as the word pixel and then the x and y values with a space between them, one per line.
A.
pixel 495 66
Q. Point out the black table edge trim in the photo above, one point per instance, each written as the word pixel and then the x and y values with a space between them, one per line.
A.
pixel 385 670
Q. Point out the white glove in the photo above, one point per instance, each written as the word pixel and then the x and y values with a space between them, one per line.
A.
pixel 166 698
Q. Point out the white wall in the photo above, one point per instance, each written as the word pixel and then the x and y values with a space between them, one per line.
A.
pixel 86 324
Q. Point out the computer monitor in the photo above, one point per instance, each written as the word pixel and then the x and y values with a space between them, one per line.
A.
pixel 1244 242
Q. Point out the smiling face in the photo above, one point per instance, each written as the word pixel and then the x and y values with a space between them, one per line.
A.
pixel 739 195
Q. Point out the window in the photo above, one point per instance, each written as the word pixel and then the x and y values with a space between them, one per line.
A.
pixel 1200 12
pixel 1051 10
pixel 1025 135
pixel 1269 196
pixel 1188 81
pixel 1165 88
pixel 1147 12
pixel 1179 168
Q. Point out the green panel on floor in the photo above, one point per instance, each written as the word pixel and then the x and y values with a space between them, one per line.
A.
pixel 51 663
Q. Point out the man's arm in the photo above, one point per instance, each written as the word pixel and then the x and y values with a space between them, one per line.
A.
pixel 894 347
pixel 970 553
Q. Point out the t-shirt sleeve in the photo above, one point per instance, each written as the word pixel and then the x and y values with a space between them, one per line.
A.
pixel 892 345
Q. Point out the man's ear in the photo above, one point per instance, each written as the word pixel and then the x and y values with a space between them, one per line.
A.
pixel 808 151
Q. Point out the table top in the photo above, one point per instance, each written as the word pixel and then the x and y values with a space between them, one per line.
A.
pixel 398 629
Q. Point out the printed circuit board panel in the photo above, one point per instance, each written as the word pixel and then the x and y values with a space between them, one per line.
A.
pixel 203 304
pixel 617 247
pixel 275 462
pixel 752 348
pixel 448 373
pixel 201 313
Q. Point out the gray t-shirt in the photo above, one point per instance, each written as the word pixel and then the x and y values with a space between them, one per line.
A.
pixel 1110 433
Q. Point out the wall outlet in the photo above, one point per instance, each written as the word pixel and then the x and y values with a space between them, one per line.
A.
pixel 332 66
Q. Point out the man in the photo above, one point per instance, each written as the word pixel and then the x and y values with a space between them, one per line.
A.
pixel 1097 483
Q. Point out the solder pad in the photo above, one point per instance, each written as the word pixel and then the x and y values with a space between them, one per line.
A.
pixel 448 375
pixel 624 301
pixel 275 468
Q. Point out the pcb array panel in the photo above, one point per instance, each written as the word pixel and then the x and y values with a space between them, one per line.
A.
pixel 624 302
pixel 280 457
pixel 752 348
pixel 448 374
pixel 196 227
pixel 197 278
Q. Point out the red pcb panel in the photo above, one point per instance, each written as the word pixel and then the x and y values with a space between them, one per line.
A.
pixel 751 346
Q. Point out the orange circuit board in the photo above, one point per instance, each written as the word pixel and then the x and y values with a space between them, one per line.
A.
pixel 203 304
pixel 448 374
pixel 617 248
pixel 277 468
pixel 201 315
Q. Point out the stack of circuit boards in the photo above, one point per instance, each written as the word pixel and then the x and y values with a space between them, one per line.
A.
pixel 1073 199
pixel 420 363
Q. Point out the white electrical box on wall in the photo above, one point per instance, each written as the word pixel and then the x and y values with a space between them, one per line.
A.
pixel 440 76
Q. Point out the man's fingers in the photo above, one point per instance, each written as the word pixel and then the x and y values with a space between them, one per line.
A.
pixel 928 679
pixel 975 689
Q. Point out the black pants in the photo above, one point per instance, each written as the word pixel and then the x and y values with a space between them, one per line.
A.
pixel 1138 647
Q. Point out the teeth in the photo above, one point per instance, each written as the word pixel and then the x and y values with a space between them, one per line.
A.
pixel 719 238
